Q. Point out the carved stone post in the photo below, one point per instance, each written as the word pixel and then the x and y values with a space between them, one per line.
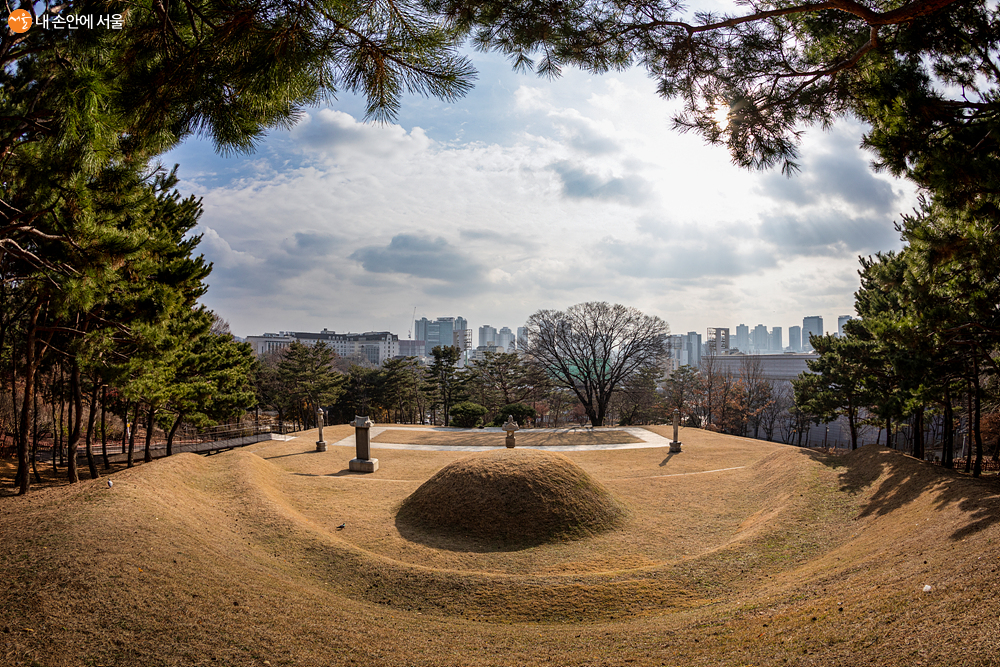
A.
pixel 321 443
pixel 510 427
pixel 675 444
pixel 362 440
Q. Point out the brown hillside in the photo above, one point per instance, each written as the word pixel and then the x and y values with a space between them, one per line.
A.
pixel 734 552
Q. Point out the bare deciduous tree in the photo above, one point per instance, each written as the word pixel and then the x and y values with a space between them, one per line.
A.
pixel 591 348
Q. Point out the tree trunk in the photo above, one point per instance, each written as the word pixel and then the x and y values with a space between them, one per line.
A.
pixel 918 434
pixel 852 422
pixel 56 422
pixel 948 455
pixel 131 435
pixel 147 454
pixel 104 426
pixel 977 469
pixel 74 439
pixel 34 436
pixel 173 430
pixel 91 463
pixel 968 432
pixel 126 428
pixel 30 364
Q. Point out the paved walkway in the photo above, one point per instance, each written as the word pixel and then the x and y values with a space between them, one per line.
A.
pixel 649 439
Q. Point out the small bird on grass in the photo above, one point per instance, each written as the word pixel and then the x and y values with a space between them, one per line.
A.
pixel 342 526
pixel 110 483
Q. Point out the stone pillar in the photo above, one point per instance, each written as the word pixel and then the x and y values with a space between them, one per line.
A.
pixel 321 443
pixel 675 444
pixel 510 427
pixel 363 462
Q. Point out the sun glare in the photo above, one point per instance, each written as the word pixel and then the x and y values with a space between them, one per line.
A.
pixel 721 115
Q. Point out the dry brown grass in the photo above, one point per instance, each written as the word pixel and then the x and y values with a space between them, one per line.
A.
pixel 527 438
pixel 792 558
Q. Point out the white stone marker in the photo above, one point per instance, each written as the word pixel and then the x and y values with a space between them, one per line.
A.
pixel 364 462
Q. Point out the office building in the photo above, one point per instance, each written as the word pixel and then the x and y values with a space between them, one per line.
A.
pixel 795 339
pixel 487 335
pixel 693 346
pixel 811 326
pixel 840 324
pixel 760 340
pixel 373 346
pixel 776 342
pixel 522 338
pixel 743 338
pixel 505 339
pixel 439 332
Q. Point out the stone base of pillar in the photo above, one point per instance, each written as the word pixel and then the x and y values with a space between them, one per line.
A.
pixel 509 442
pixel 675 447
pixel 321 445
pixel 363 465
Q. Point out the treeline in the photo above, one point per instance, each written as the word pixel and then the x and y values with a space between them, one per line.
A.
pixel 927 343
pixel 101 321
pixel 297 380
pixel 743 403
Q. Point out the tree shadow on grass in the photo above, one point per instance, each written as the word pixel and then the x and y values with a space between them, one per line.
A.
pixel 895 480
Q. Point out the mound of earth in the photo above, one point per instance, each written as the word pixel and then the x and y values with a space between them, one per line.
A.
pixel 514 497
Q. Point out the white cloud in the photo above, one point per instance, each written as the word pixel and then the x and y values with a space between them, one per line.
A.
pixel 585 194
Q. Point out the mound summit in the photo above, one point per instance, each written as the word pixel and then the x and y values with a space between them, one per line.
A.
pixel 514 497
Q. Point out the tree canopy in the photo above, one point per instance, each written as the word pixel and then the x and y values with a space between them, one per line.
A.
pixel 923 74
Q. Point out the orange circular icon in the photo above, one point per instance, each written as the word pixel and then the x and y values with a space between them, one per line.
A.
pixel 19 20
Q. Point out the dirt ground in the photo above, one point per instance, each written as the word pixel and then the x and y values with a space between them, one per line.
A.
pixel 735 552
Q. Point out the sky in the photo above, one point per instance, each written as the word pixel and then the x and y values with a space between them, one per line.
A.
pixel 530 194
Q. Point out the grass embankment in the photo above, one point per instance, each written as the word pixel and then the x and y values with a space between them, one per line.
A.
pixel 781 557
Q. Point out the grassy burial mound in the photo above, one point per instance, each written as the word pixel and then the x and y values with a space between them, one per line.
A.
pixel 511 497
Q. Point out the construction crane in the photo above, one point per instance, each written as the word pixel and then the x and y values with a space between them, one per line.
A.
pixel 409 333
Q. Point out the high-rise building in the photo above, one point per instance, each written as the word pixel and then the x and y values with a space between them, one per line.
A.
pixel 760 339
pixel 505 339
pixel 811 326
pixel 795 339
pixel 743 338
pixel 487 335
pixel 776 343
pixel 717 340
pixel 840 324
pixel 693 345
pixel 522 337
pixel 439 332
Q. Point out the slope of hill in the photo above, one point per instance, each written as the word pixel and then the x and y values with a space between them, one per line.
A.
pixel 734 552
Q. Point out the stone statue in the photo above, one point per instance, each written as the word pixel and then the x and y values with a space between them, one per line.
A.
pixel 510 427
pixel 321 443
